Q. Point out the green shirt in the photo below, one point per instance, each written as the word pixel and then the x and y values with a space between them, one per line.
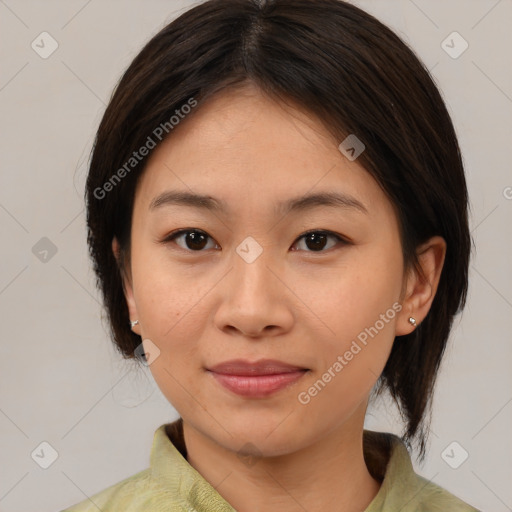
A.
pixel 171 484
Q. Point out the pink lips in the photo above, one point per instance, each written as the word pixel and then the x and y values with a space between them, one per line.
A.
pixel 258 379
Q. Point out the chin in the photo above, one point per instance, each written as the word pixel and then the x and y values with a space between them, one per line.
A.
pixel 269 434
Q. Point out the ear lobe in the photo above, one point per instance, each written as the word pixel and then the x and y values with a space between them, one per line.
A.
pixel 115 248
pixel 422 284
pixel 127 285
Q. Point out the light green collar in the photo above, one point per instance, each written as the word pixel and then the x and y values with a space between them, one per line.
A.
pixel 386 456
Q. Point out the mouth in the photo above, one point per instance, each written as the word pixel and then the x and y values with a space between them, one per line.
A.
pixel 256 379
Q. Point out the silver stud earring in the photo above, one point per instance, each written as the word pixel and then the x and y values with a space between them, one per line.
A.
pixel 412 321
pixel 134 323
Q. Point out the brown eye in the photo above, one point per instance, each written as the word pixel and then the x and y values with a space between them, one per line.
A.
pixel 317 241
pixel 190 239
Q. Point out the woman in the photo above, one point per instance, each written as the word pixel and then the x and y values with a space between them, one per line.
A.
pixel 277 217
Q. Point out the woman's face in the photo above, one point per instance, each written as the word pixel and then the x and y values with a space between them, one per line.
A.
pixel 245 284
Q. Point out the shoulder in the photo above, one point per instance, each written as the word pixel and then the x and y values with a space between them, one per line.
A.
pixel 132 493
pixel 162 486
pixel 389 461
pixel 434 498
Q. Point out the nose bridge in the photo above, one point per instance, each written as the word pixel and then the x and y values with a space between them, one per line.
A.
pixel 254 302
pixel 250 269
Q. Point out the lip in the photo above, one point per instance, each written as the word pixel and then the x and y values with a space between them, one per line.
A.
pixel 256 379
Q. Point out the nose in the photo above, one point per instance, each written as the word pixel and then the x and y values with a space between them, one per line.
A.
pixel 255 300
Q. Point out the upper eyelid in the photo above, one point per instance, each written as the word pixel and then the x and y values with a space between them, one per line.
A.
pixel 189 230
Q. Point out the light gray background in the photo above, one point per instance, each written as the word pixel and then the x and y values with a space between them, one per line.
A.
pixel 61 380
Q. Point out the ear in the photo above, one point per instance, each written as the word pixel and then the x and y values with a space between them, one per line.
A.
pixel 421 287
pixel 127 285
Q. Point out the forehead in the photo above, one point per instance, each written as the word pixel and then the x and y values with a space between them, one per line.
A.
pixel 248 150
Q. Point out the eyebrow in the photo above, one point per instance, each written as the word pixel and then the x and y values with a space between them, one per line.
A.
pixel 297 204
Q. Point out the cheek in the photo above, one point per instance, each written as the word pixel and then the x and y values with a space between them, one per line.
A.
pixel 359 307
pixel 168 296
pixel 173 313
pixel 350 362
pixel 352 297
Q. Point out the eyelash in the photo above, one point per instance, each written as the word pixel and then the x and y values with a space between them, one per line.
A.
pixel 175 234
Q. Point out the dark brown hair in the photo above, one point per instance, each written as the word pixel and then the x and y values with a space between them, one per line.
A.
pixel 348 70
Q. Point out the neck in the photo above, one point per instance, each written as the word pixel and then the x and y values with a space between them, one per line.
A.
pixel 329 474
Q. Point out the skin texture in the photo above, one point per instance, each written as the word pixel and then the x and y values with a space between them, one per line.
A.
pixel 293 304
